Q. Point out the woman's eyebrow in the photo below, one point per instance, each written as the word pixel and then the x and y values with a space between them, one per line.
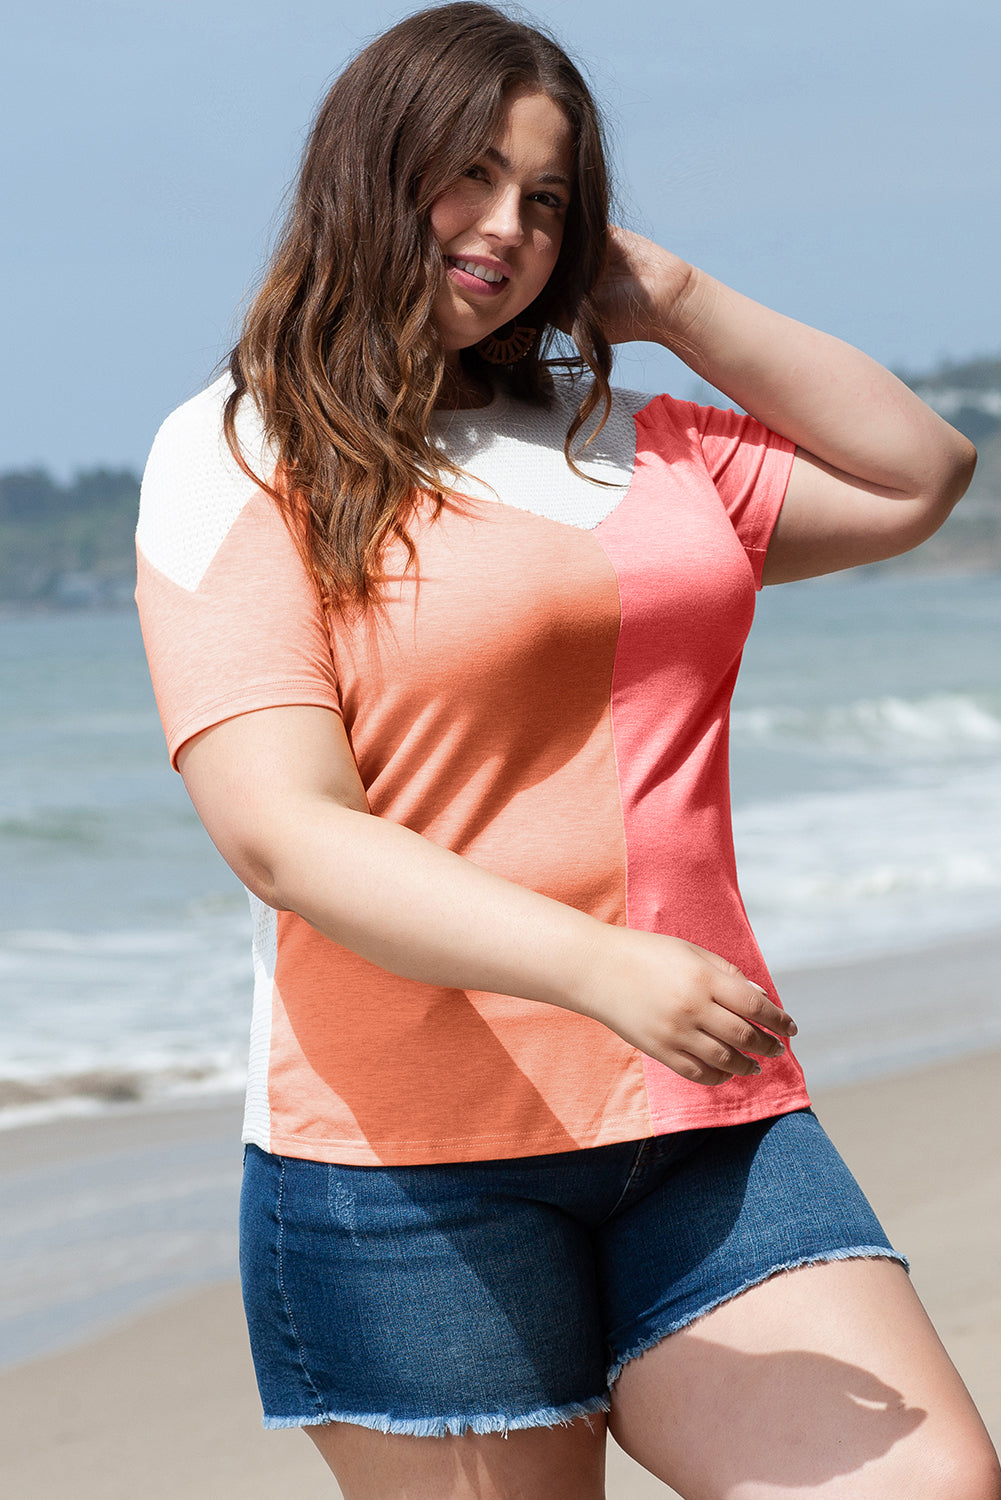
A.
pixel 502 161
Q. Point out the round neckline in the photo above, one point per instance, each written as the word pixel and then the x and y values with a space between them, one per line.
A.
pixel 450 413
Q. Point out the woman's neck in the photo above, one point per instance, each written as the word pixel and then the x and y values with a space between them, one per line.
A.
pixel 460 388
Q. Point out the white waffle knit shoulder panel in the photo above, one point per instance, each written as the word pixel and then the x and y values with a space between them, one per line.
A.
pixel 513 452
pixel 193 489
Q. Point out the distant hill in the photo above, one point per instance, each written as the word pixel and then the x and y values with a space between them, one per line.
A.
pixel 71 545
pixel 974 376
pixel 68 545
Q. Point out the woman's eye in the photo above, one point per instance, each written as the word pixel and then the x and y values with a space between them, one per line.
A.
pixel 549 200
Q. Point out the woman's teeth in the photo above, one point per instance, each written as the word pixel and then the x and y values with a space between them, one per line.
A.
pixel 482 273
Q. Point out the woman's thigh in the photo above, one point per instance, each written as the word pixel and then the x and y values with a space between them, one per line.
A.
pixel 826 1382
pixel 540 1463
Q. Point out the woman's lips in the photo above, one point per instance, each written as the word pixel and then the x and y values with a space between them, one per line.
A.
pixel 471 283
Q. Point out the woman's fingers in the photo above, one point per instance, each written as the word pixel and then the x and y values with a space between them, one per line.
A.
pixel 695 1070
pixel 723 1033
pixel 744 998
pixel 705 1059
pixel 689 1009
pixel 710 1059
pixel 764 1037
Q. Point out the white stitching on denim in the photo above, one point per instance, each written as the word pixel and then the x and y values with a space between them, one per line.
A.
pixel 285 1298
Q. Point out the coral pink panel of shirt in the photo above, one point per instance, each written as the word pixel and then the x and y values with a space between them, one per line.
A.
pixel 248 637
pixel 686 587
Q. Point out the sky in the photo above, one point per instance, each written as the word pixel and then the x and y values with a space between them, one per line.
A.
pixel 841 162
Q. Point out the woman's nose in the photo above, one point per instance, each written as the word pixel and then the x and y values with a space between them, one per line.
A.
pixel 502 220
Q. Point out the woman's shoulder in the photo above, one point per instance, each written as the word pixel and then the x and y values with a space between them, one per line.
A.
pixel 661 421
pixel 193 432
pixel 193 489
pixel 569 389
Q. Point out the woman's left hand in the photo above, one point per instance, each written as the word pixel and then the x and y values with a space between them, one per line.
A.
pixel 642 289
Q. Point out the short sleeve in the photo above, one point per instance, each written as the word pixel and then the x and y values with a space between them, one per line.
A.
pixel 229 616
pixel 750 466
pixel 747 464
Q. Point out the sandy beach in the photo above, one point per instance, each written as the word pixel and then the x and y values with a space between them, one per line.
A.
pixel 162 1403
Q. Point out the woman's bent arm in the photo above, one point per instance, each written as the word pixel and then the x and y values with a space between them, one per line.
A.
pixel 876 471
pixel 281 798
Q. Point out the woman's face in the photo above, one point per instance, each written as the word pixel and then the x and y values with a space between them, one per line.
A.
pixel 500 225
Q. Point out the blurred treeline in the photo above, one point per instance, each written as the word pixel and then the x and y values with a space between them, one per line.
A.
pixel 68 544
pixel 71 545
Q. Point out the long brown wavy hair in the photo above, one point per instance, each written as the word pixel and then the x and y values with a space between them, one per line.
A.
pixel 339 349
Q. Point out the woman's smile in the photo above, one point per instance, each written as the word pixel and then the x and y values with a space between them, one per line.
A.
pixel 479 276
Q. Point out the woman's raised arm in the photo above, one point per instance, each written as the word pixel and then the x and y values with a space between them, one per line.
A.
pixel 876 470
pixel 280 795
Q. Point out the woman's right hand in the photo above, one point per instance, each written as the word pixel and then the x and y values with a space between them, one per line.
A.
pixel 682 1005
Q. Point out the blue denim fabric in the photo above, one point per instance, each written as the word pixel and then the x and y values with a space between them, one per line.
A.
pixel 488 1296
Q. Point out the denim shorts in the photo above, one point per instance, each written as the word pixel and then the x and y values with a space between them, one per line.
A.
pixel 495 1295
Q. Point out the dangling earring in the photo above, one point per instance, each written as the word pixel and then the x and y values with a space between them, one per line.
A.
pixel 497 349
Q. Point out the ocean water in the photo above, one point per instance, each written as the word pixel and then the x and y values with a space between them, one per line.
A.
pixel 867 818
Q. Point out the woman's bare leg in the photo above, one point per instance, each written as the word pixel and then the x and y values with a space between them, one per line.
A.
pixel 540 1463
pixel 824 1383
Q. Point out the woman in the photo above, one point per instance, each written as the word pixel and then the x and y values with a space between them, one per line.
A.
pixel 526 1144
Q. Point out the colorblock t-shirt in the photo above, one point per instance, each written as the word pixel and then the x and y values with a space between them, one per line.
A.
pixel 546 693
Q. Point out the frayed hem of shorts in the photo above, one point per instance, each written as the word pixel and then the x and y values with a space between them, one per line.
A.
pixel 859 1252
pixel 455 1425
